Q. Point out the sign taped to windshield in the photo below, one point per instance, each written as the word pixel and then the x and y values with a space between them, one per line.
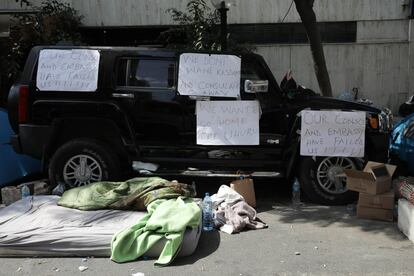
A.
pixel 332 133
pixel 68 70
pixel 209 75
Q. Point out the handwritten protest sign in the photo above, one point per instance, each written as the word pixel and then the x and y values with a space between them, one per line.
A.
pixel 332 133
pixel 209 75
pixel 228 122
pixel 68 70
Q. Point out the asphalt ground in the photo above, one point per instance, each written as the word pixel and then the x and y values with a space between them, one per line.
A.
pixel 312 240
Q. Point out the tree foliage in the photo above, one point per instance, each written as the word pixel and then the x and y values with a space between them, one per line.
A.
pixel 23 2
pixel 54 22
pixel 198 28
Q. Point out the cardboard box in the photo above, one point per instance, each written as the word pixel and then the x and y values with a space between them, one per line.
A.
pixel 245 187
pixel 375 213
pixel 374 179
pixel 383 201
pixel 12 194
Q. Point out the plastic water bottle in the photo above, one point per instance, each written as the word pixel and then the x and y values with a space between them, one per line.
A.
pixel 25 191
pixel 296 193
pixel 207 213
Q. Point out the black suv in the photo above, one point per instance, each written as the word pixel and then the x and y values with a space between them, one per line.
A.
pixel 135 113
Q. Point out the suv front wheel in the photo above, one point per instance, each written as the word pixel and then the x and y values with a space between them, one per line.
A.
pixel 83 161
pixel 323 180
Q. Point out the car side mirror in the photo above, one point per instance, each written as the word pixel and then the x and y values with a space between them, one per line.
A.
pixel 256 86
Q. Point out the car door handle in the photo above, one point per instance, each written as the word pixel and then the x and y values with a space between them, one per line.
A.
pixel 123 95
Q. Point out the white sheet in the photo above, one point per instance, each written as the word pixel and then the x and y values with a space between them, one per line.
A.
pixel 38 226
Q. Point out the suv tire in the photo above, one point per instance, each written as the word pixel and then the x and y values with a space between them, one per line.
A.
pixel 316 176
pixel 83 161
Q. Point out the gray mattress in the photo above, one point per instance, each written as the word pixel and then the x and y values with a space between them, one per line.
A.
pixel 37 226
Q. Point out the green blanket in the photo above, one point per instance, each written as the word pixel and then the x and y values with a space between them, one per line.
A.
pixel 165 219
pixel 133 194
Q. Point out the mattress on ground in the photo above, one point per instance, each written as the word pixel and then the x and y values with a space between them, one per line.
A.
pixel 37 226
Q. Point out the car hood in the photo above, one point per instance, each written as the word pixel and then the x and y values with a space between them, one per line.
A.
pixel 402 142
pixel 320 102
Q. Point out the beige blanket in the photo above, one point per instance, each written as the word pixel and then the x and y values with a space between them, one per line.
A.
pixel 232 213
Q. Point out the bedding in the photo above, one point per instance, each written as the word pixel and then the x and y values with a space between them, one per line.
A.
pixel 37 226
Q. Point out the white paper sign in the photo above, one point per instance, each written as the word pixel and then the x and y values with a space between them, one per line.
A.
pixel 228 122
pixel 332 133
pixel 68 70
pixel 209 75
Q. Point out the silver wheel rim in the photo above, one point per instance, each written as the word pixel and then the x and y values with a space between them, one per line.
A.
pixel 81 170
pixel 330 174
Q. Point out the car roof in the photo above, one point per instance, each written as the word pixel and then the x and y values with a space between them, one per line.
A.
pixel 156 52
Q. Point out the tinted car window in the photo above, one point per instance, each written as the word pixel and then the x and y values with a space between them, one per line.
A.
pixel 146 73
pixel 250 71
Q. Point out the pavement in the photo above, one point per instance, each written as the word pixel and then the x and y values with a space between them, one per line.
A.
pixel 312 240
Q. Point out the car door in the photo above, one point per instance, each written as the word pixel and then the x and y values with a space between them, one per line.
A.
pixel 272 119
pixel 148 88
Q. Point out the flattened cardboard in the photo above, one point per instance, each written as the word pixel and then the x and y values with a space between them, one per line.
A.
pixel 383 201
pixel 375 213
pixel 245 187
pixel 366 182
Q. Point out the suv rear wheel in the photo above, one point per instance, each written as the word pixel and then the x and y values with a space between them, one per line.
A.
pixel 323 181
pixel 83 161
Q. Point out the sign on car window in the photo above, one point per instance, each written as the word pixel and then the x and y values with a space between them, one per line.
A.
pixel 228 122
pixel 68 70
pixel 209 75
pixel 332 133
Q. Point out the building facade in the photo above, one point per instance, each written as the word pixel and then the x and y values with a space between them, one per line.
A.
pixel 368 43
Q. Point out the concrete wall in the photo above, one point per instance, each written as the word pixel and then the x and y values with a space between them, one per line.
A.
pixel 379 71
pixel 153 12
pixel 382 31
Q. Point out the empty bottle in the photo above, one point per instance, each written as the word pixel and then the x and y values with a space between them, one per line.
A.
pixel 25 191
pixel 207 213
pixel 194 188
pixel 296 193
pixel 351 209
